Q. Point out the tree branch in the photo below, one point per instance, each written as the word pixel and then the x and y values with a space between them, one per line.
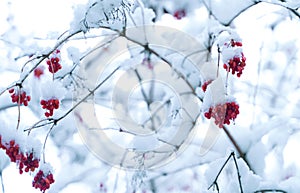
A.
pixel 269 190
pixel 215 183
pixel 237 147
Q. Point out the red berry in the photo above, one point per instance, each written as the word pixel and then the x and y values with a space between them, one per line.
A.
pixel 239 44
pixel 53 62
pixel 223 113
pixel 237 63
pixel 27 160
pixel 206 83
pixel 50 105
pixel 179 14
pixel 19 97
pixel 38 72
pixel 43 181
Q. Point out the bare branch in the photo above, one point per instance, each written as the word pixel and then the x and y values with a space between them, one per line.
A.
pixel 215 183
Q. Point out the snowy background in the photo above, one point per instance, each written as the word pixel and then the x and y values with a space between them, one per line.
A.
pixel 268 94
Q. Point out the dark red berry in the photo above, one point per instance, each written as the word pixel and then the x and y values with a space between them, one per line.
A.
pixel 50 105
pixel 179 14
pixel 19 97
pixel 53 62
pixel 38 72
pixel 43 181
pixel 223 113
pixel 206 83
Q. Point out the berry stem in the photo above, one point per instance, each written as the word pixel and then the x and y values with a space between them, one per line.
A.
pixel 44 145
pixel 219 56
pixel 35 126
pixel 226 83
pixel 19 108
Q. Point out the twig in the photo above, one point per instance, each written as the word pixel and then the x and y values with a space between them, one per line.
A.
pixel 235 144
pixel 153 186
pixel 238 171
pixel 44 146
pixel 88 95
pixel 219 56
pixel 215 183
pixel 36 125
pixel 269 190
pixel 160 57
pixel 43 57
pixel 2 184
pixel 19 108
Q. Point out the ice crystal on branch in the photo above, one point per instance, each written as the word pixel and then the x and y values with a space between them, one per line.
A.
pixel 100 13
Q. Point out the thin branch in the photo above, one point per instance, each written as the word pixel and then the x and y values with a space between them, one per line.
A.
pixel 219 58
pixel 220 171
pixel 7 106
pixel 235 144
pixel 86 54
pixel 87 96
pixel 43 57
pixel 215 183
pixel 44 145
pixel 164 174
pixel 238 172
pixel 36 125
pixel 2 183
pixel 19 108
pixel 239 13
pixel 269 190
pixel 153 186
pixel 294 11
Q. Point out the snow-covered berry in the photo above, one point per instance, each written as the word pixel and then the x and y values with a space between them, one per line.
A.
pixel 54 62
pixel 19 96
pixel 42 181
pixel 223 113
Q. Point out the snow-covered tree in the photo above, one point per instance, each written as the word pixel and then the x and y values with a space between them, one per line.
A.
pixel 150 96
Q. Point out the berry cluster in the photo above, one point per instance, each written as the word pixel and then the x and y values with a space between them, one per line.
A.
pixel 223 113
pixel 38 72
pixel 238 62
pixel 19 97
pixel 179 14
pixel 50 105
pixel 53 62
pixel 26 161
pixel 42 181
pixel 235 43
pixel 205 84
